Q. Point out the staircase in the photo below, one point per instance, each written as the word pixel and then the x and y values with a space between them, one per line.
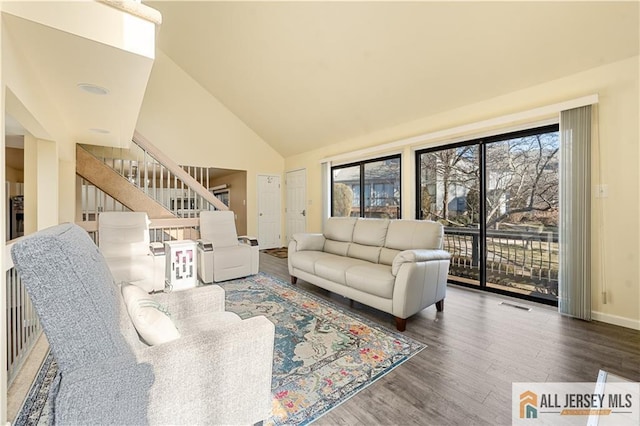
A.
pixel 142 178
pixel 117 186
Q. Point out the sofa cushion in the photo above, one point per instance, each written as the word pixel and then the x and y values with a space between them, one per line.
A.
pixel 370 232
pixel 368 253
pixel 341 248
pixel 232 257
pixel 146 272
pixel 123 235
pixel 372 279
pixel 414 234
pixel 219 227
pixel 149 317
pixel 309 241
pixel 339 228
pixel 334 268
pixel 387 255
pixel 306 260
pixel 131 268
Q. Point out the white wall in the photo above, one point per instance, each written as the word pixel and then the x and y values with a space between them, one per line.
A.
pixel 47 184
pixel 66 191
pixel 3 279
pixel 27 102
pixel 615 247
pixel 178 112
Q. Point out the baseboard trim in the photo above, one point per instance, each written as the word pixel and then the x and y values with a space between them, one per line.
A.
pixel 616 320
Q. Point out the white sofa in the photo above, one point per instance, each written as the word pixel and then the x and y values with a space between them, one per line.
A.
pixel 396 266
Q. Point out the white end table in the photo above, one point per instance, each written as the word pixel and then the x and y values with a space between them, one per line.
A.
pixel 181 267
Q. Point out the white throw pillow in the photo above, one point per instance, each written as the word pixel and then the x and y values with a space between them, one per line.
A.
pixel 150 318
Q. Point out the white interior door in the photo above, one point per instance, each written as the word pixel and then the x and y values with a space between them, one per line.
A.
pixel 296 212
pixel 269 211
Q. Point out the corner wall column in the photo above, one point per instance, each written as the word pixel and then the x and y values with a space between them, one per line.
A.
pixel 40 184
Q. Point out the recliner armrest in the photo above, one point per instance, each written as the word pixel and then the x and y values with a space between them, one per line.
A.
pixel 244 239
pixel 156 248
pixel 205 245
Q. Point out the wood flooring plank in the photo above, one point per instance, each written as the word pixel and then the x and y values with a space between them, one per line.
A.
pixel 476 349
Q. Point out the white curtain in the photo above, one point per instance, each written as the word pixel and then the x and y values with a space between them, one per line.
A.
pixel 326 191
pixel 574 280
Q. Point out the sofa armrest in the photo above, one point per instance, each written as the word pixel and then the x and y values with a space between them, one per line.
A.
pixel 421 280
pixel 219 376
pixel 307 241
pixel 192 302
pixel 419 255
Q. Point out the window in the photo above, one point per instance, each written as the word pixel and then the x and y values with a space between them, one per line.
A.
pixel 367 188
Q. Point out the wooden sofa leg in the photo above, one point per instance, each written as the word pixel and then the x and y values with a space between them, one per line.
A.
pixel 440 305
pixel 294 280
pixel 401 324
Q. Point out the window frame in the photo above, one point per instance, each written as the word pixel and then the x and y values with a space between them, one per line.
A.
pixel 362 184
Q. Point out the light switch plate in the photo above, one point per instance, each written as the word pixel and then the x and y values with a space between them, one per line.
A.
pixel 602 191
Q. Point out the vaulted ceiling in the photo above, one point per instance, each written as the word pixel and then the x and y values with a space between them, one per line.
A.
pixel 306 74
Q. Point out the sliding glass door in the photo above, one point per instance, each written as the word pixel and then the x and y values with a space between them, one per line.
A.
pixel 498 200
pixel 521 217
pixel 449 191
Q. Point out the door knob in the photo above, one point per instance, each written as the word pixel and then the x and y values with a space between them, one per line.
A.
pixel 304 212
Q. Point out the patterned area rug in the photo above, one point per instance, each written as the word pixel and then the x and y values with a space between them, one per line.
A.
pixel 323 353
pixel 281 252
pixel 35 408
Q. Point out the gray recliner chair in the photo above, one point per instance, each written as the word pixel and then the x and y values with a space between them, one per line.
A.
pixel 215 370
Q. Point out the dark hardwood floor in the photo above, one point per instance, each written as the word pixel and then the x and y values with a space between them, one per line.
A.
pixel 476 349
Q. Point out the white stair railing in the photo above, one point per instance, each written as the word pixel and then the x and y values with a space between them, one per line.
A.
pixel 184 190
pixel 23 325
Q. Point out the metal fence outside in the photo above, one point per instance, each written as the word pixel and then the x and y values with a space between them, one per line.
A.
pixel 524 260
